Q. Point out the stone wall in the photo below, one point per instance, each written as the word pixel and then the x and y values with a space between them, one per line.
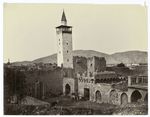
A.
pixel 67 50
pixel 95 64
pixel 85 83
pixel 71 83
pixel 50 81
pixel 79 65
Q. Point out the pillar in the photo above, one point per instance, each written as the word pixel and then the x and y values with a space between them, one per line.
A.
pixel 137 80
pixel 129 80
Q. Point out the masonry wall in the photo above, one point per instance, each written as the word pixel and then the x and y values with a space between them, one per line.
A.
pixel 79 65
pixel 108 93
pixel 95 64
pixel 59 49
pixel 51 81
pixel 67 50
pixel 100 64
pixel 70 82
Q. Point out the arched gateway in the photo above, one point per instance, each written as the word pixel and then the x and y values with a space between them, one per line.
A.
pixel 98 96
pixel 67 89
pixel 135 96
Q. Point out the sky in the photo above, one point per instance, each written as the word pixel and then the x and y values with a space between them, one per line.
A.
pixel 29 29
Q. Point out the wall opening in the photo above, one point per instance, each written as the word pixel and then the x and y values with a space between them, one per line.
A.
pixel 124 99
pixel 86 93
pixel 67 89
pixel 135 96
pixel 98 96
pixel 113 97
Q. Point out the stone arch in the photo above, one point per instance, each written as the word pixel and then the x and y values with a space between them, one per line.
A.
pixel 113 97
pixel 146 98
pixel 98 96
pixel 67 89
pixel 135 96
pixel 124 99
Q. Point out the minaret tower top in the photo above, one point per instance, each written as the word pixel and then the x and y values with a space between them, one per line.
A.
pixel 63 19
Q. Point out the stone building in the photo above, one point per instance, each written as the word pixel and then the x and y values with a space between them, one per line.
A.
pixel 88 76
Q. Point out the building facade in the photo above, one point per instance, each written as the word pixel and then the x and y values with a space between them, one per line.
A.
pixel 88 77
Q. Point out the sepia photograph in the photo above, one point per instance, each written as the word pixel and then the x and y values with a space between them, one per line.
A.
pixel 75 59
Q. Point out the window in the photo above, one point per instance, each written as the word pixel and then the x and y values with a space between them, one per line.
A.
pixel 67 43
pixel 59 52
pixel 91 64
pixel 67 59
pixel 59 43
pixel 59 39
pixel 67 51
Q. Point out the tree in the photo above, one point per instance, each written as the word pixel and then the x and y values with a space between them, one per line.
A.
pixel 14 82
pixel 121 65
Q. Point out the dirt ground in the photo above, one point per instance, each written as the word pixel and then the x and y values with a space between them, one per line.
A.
pixel 67 107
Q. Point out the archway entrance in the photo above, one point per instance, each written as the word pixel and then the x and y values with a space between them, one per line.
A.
pixel 146 98
pixel 136 95
pixel 98 96
pixel 124 99
pixel 86 93
pixel 67 89
pixel 113 97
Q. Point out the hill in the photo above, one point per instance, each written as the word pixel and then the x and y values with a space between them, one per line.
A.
pixel 131 57
pixel 125 57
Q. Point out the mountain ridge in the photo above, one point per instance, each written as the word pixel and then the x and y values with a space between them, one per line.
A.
pixel 118 57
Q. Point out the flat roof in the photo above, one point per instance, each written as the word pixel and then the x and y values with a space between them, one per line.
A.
pixel 63 26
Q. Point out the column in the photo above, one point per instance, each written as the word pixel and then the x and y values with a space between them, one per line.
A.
pixel 137 80
pixel 129 80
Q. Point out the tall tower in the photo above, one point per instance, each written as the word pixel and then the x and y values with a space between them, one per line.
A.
pixel 64 44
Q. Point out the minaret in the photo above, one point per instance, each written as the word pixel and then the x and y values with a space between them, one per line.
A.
pixel 63 19
pixel 64 44
pixel 8 61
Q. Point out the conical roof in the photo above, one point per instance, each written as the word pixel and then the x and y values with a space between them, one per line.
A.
pixel 63 17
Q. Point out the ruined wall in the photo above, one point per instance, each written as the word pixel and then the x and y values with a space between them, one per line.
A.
pixel 51 81
pixel 97 64
pixel 100 64
pixel 90 66
pixel 79 65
